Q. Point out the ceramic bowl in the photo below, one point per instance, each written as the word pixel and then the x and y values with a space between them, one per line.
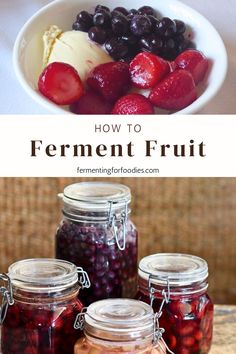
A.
pixel 28 49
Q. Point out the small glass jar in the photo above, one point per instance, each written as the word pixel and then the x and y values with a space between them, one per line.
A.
pixel 115 326
pixel 97 234
pixel 39 307
pixel 176 287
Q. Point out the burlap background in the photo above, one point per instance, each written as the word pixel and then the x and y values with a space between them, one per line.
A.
pixel 195 215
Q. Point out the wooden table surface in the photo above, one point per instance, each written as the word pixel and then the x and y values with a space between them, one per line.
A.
pixel 224 341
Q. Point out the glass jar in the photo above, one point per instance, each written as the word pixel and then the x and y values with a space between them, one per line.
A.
pixel 39 307
pixel 119 326
pixel 97 234
pixel 176 286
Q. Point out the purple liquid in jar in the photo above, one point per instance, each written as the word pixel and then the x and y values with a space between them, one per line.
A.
pixel 41 319
pixel 106 251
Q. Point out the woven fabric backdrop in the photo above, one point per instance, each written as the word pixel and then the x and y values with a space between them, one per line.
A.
pixel 192 215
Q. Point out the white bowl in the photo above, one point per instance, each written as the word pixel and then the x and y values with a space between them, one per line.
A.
pixel 28 50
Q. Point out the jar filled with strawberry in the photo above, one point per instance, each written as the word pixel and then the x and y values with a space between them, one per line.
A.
pixel 39 306
pixel 176 287
pixel 97 234
pixel 115 326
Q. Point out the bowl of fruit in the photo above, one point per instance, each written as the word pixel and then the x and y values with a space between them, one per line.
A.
pixel 157 57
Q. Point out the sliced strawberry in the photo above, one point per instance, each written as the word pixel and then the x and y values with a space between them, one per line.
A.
pixel 195 62
pixel 91 103
pixel 175 92
pixel 147 70
pixel 60 83
pixel 111 80
pixel 133 103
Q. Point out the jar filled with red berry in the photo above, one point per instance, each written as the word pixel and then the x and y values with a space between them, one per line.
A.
pixel 96 233
pixel 39 306
pixel 115 326
pixel 176 287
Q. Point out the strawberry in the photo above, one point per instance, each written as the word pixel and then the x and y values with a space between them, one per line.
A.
pixel 147 70
pixel 175 92
pixel 111 80
pixel 194 62
pixel 60 83
pixel 91 103
pixel 133 103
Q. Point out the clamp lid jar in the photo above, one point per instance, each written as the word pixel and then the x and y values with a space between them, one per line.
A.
pixel 181 270
pixel 119 326
pixel 40 304
pixel 176 287
pixel 96 233
pixel 96 196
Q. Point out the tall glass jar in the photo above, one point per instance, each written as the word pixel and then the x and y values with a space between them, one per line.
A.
pixel 115 326
pixel 39 306
pixel 176 286
pixel 97 234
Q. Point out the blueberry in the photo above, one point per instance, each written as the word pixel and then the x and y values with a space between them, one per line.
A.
pixel 180 27
pixel 153 21
pixel 86 18
pixel 102 18
pixel 119 24
pixel 116 48
pixel 140 25
pixel 132 13
pixel 166 27
pixel 130 40
pixel 80 26
pixel 97 34
pixel 151 43
pixel 179 39
pixel 121 10
pixel 101 7
pixel 169 49
pixel 169 44
pixel 146 10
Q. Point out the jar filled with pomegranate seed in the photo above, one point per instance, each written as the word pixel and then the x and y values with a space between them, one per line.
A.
pixel 176 287
pixel 39 306
pixel 119 326
pixel 96 233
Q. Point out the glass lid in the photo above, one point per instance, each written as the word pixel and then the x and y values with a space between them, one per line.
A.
pixel 96 195
pixel 119 320
pixel 43 274
pixel 179 269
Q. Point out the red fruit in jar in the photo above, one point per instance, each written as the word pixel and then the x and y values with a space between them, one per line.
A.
pixel 175 92
pixel 133 103
pixel 13 319
pixel 28 350
pixel 111 80
pixel 198 335
pixel 172 341
pixel 195 62
pixel 147 70
pixel 187 328
pixel 60 83
pixel 188 341
pixel 91 103
pixel 180 309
